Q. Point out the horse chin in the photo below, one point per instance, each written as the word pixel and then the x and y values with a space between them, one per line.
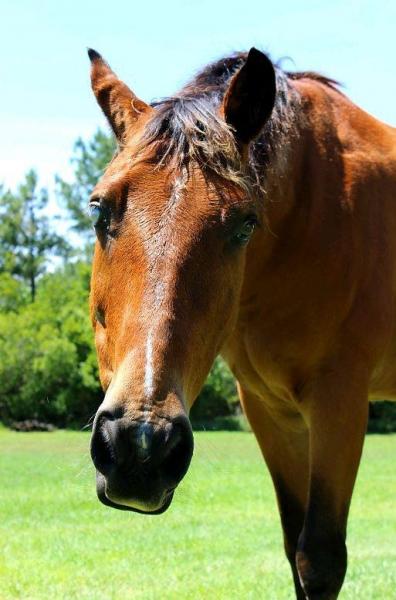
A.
pixel 132 505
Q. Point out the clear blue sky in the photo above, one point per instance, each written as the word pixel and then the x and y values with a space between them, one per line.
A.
pixel 46 102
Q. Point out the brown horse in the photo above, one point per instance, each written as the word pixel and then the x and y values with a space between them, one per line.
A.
pixel 253 215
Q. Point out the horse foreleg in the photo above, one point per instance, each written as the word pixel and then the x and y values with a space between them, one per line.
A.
pixel 336 409
pixel 284 445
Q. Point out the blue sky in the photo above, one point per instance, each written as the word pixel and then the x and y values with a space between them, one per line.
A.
pixel 46 102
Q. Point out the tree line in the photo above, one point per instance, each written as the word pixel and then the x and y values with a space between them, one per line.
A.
pixel 48 368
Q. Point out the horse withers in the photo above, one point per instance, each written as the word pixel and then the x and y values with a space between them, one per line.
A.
pixel 253 215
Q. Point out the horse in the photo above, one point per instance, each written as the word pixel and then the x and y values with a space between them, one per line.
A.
pixel 251 215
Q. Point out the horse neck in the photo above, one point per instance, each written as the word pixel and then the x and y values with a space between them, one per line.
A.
pixel 338 160
pixel 304 186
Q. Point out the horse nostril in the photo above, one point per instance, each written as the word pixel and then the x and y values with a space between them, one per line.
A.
pixel 177 454
pixel 102 444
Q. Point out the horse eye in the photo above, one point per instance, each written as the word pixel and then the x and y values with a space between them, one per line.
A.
pixel 99 215
pixel 100 316
pixel 242 236
pixel 95 213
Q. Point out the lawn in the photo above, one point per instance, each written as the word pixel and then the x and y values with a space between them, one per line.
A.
pixel 220 539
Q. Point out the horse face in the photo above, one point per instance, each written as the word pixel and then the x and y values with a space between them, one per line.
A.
pixel 167 273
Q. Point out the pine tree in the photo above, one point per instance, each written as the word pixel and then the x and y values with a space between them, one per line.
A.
pixel 26 239
pixel 90 160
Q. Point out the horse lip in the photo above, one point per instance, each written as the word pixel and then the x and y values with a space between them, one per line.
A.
pixel 101 493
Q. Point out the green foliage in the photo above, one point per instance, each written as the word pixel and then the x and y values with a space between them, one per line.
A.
pixel 13 293
pixel 218 397
pixel 382 417
pixel 89 161
pixel 47 364
pixel 27 241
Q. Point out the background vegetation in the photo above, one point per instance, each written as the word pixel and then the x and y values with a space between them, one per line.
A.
pixel 48 370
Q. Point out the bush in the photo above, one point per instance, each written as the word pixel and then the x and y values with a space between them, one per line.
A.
pixel 218 398
pixel 382 417
pixel 47 364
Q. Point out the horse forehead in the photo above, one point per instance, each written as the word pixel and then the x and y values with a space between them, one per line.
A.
pixel 168 218
pixel 168 221
pixel 163 196
pixel 158 199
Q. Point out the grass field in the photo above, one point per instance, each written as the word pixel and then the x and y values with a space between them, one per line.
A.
pixel 220 539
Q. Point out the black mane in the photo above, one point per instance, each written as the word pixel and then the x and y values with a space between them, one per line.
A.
pixel 216 75
pixel 187 127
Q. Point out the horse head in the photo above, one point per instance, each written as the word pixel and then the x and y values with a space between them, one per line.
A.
pixel 173 214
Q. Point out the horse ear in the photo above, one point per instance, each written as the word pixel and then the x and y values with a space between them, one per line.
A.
pixel 120 105
pixel 250 97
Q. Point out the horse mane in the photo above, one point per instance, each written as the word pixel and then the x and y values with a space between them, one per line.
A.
pixel 314 76
pixel 187 128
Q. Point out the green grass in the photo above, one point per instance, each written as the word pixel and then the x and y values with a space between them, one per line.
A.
pixel 220 539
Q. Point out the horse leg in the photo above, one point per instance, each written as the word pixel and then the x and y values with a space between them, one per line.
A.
pixel 336 408
pixel 284 445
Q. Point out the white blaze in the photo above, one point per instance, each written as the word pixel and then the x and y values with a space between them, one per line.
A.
pixel 149 370
pixel 157 250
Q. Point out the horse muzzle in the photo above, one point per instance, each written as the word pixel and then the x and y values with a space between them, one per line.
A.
pixel 140 463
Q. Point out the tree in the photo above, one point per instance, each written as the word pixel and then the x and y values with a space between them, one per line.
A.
pixel 89 160
pixel 27 242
